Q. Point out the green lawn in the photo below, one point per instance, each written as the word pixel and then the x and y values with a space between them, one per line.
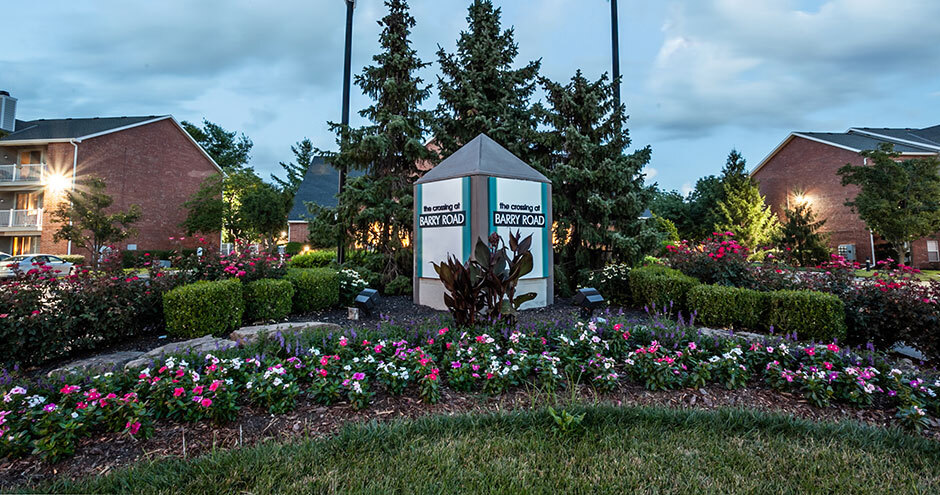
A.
pixel 923 275
pixel 617 450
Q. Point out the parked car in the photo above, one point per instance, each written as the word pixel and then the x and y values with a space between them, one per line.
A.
pixel 27 262
pixel 3 256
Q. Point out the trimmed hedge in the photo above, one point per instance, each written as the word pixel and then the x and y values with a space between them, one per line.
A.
pixel 293 248
pixel 75 259
pixel 268 299
pixel 314 288
pixel 204 308
pixel 731 307
pixel 661 285
pixel 812 315
pixel 313 259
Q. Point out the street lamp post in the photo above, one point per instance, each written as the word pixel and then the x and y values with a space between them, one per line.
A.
pixel 615 49
pixel 347 62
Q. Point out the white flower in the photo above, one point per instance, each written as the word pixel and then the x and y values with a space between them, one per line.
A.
pixel 183 363
pixel 74 415
pixel 249 385
pixel 278 381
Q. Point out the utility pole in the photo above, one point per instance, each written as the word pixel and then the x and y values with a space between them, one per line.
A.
pixel 350 5
pixel 615 49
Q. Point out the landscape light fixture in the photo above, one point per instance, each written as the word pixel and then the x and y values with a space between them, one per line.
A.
pixel 367 301
pixel 588 299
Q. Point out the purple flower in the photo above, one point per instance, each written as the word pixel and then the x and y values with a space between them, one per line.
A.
pixel 359 376
pixel 455 364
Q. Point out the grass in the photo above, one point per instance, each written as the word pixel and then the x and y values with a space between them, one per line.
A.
pixel 615 450
pixel 923 275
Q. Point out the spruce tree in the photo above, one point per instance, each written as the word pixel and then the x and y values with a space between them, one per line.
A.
pixel 800 237
pixel 742 209
pixel 295 171
pixel 376 209
pixel 481 92
pixel 598 191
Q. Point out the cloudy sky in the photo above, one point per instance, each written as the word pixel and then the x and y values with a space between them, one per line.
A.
pixel 700 76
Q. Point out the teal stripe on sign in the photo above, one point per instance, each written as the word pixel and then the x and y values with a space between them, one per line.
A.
pixel 546 233
pixel 419 247
pixel 467 232
pixel 492 195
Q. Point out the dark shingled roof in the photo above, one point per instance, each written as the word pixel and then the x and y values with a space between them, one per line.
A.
pixel 915 135
pixel 69 128
pixel 320 186
pixel 482 156
pixel 863 142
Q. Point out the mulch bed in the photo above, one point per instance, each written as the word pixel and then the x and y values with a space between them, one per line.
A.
pixel 101 454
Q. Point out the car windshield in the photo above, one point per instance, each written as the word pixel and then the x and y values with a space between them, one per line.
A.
pixel 17 259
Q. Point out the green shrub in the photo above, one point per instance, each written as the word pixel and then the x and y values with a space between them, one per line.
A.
pixel 75 259
pixel 268 299
pixel 293 248
pixel 204 308
pixel 613 282
pixel 399 287
pixel 313 259
pixel 731 307
pixel 660 285
pixel 812 315
pixel 314 288
pixel 350 285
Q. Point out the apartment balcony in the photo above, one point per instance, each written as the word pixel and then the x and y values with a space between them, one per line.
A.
pixel 21 220
pixel 22 176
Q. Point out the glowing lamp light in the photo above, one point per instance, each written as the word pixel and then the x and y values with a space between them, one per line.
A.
pixel 801 199
pixel 58 182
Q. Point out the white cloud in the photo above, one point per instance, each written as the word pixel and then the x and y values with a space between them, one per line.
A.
pixel 757 62
pixel 686 188
pixel 650 172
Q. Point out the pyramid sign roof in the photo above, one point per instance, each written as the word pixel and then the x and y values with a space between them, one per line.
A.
pixel 482 156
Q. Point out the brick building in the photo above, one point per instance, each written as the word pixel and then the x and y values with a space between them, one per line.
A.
pixel 149 161
pixel 807 162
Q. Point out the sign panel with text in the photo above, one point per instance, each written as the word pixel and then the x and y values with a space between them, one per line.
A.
pixel 520 205
pixel 443 223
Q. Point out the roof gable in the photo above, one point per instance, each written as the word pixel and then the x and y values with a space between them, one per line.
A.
pixel 482 156
pixel 320 186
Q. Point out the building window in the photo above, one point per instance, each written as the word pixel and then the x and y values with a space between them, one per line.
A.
pixel 933 253
pixel 847 251
pixel 25 245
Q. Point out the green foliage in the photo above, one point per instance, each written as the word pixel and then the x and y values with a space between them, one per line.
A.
pixel 800 238
pixel 267 299
pixel 229 150
pixel 304 155
pixel 293 248
pixel 564 421
pixel 75 259
pixel 898 200
pixel 399 287
pixel 613 282
pixel 480 90
pixel 742 208
pixel 661 286
pixel 204 308
pixel 812 315
pixel 730 307
pixel 377 209
pixel 317 258
pixel 88 221
pixel 315 289
pixel 263 210
pixel 598 192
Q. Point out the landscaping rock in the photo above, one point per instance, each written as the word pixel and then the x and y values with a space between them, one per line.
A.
pixel 202 344
pixel 104 362
pixel 252 333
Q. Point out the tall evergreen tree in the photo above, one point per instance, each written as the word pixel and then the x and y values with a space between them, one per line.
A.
pixel 481 92
pixel 376 209
pixel 800 236
pixel 742 209
pixel 598 191
pixel 295 171
pixel 230 150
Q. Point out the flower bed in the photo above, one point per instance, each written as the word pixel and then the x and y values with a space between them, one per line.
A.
pixel 46 419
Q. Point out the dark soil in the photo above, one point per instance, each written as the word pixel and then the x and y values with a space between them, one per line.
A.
pixel 101 454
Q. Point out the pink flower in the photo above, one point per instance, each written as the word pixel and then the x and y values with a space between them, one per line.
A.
pixel 442 331
pixel 197 390
pixel 617 327
pixel 68 389
pixel 215 385
pixel 132 428
pixel 359 376
pixel 322 372
pixel 811 351
pixel 833 347
pixel 206 402
pixel 178 392
pixel 49 407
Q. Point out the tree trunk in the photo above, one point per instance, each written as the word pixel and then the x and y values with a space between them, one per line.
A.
pixel 899 248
